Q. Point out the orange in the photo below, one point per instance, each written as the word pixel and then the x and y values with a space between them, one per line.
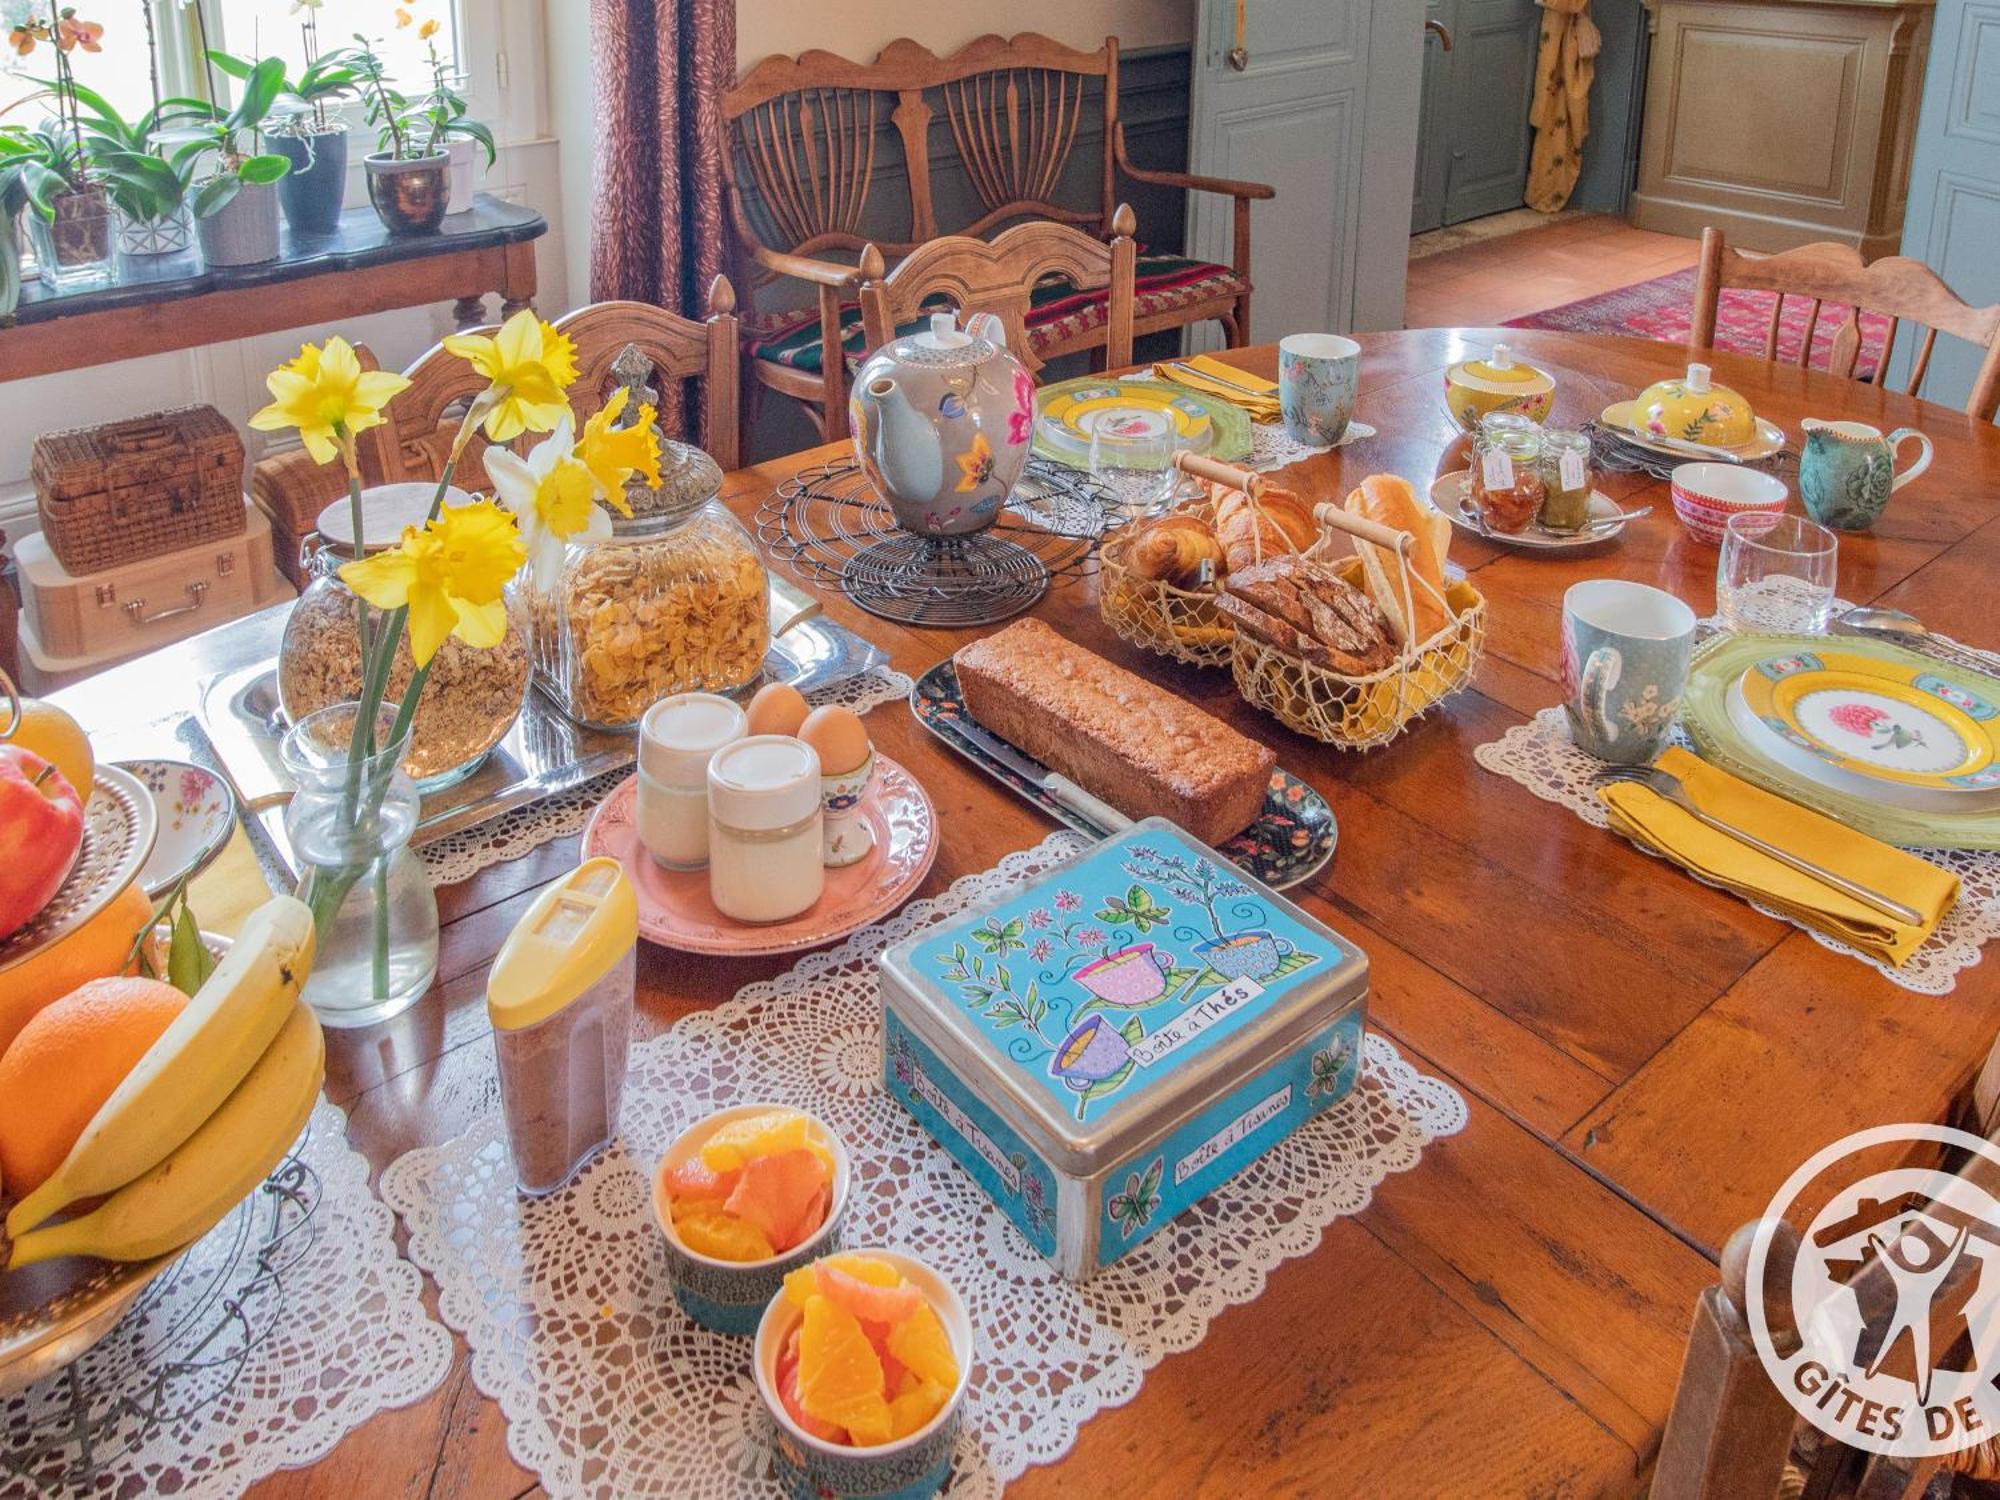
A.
pixel 921 1343
pixel 65 1064
pixel 765 1134
pixel 915 1408
pixel 705 1229
pixel 840 1378
pixel 54 736
pixel 97 949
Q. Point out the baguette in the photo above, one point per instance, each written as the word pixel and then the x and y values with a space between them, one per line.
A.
pixel 1121 738
pixel 1391 501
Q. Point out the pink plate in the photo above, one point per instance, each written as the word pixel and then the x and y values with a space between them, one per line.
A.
pixel 674 909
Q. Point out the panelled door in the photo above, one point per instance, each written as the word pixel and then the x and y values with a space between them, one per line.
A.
pixel 1320 102
pixel 1474 140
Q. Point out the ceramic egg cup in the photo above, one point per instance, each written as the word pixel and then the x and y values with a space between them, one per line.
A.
pixel 847 838
pixel 1706 495
pixel 729 1296
pixel 918 1465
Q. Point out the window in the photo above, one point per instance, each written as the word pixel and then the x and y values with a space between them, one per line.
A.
pixel 266 28
pixel 119 72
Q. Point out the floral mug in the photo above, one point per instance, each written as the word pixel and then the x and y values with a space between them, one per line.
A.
pixel 1318 374
pixel 1625 653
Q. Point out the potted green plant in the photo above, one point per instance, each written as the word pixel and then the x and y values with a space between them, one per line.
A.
pixel 70 219
pixel 442 112
pixel 305 130
pixel 236 204
pixel 148 191
pixel 409 174
pixel 13 197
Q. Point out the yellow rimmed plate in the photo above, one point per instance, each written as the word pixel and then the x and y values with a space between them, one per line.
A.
pixel 1138 421
pixel 1770 437
pixel 1916 725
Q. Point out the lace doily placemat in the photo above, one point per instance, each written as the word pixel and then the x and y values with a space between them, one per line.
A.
pixel 285 1328
pixel 462 855
pixel 609 1390
pixel 1541 756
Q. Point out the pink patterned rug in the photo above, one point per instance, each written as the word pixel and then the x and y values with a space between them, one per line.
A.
pixel 1661 309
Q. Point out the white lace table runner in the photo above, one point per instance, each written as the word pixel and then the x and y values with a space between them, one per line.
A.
pixel 609 1390
pixel 1541 757
pixel 462 855
pixel 285 1328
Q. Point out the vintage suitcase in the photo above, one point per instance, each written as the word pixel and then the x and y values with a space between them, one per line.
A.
pixel 114 613
pixel 1106 1046
pixel 134 489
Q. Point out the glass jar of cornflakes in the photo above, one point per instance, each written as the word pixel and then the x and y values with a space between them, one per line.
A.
pixel 472 695
pixel 675 600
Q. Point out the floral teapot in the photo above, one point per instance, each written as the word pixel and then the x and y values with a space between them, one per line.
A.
pixel 942 420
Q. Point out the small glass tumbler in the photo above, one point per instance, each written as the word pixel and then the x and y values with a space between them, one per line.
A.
pixel 1777 574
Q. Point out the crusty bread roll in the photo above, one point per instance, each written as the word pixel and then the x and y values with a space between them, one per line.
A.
pixel 1172 548
pixel 1307 609
pixel 1390 500
pixel 1275 523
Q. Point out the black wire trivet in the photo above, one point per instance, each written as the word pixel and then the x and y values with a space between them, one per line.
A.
pixel 831 529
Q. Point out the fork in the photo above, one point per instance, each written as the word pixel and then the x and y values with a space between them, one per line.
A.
pixel 1667 785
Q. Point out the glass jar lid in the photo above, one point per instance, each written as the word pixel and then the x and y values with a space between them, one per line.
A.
pixel 689 479
pixel 1510 430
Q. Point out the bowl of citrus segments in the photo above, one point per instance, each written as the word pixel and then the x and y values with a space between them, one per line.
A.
pixel 863 1364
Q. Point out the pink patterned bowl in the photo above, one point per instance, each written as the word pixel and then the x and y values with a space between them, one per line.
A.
pixel 1706 495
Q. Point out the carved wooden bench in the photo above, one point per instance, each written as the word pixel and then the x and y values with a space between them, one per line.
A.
pixel 803 163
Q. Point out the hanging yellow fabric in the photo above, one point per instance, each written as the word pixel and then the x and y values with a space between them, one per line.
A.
pixel 1561 111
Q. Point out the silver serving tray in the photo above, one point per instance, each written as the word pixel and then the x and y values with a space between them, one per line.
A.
pixel 544 754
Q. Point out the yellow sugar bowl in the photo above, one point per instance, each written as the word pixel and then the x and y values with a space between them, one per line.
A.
pixel 1694 409
pixel 1473 388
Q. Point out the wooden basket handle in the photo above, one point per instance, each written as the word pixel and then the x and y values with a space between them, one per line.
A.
pixel 1203 467
pixel 1333 518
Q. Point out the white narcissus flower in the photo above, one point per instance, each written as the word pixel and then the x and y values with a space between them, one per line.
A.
pixel 552 495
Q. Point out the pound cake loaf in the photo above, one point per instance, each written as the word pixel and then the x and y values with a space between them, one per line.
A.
pixel 1116 735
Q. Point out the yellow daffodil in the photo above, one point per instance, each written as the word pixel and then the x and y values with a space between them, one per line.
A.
pixel 449 575
pixel 552 496
pixel 528 366
pixel 614 454
pixel 326 395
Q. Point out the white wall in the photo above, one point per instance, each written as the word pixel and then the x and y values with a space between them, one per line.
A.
pixel 861 28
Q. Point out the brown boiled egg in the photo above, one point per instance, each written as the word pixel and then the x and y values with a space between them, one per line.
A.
pixel 777 709
pixel 837 737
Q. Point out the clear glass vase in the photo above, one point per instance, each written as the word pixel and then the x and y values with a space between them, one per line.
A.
pixel 73 247
pixel 349 824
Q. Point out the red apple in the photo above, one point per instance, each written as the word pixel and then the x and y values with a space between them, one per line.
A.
pixel 41 832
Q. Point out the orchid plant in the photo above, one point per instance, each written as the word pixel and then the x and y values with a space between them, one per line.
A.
pixel 448 577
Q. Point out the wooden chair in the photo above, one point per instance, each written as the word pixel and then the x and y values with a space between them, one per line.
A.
pixel 1731 1434
pixel 1907 291
pixel 999 276
pixel 804 138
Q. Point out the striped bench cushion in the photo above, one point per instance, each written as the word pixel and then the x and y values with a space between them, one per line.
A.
pixel 1058 311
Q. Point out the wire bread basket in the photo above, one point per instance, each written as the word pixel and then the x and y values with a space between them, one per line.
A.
pixel 1356 713
pixel 1161 616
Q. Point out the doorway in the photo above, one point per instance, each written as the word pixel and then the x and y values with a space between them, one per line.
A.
pixel 1473 136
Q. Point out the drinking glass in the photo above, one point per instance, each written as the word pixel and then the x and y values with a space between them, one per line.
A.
pixel 1776 574
pixel 1133 457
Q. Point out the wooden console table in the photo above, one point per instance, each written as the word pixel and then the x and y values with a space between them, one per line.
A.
pixel 161 303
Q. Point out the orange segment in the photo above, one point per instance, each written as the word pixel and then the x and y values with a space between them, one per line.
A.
pixel 801 1286
pixel 877 1304
pixel 788 1395
pixel 916 1407
pixel 765 1134
pixel 707 1230
pixel 920 1342
pixel 840 1379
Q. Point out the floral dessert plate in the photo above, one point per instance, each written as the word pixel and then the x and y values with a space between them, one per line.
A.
pixel 1452 494
pixel 1917 725
pixel 196 814
pixel 675 910
pixel 1770 438
pixel 1291 840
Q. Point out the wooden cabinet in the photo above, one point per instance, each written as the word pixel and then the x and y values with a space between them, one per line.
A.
pixel 1782 121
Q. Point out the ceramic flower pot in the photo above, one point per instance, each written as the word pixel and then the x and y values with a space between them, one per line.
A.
pixel 244 231
pixel 409 196
pixel 143 237
pixel 464 162
pixel 311 193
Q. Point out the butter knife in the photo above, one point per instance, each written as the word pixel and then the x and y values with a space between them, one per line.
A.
pixel 1059 789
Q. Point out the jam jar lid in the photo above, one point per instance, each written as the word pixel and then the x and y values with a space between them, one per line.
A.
pixel 386 509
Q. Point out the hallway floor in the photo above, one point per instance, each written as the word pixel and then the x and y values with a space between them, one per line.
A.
pixel 1517 274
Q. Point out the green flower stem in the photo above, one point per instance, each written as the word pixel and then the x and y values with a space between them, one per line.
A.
pixel 381 965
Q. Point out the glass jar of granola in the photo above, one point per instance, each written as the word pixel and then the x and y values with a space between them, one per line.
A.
pixel 675 600
pixel 472 697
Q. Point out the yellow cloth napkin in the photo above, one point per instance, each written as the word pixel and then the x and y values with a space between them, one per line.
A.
pixel 230 889
pixel 1214 377
pixel 1647 818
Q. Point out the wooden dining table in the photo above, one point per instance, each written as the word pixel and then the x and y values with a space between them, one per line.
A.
pixel 1644 1058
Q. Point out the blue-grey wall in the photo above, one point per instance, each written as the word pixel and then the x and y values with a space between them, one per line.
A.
pixel 1617 96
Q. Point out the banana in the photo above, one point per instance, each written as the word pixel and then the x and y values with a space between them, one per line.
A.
pixel 190 1070
pixel 181 1198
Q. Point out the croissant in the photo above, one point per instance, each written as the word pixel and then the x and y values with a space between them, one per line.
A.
pixel 1173 548
pixel 1273 524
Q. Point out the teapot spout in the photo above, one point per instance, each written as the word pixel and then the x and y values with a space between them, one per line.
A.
pixel 897 443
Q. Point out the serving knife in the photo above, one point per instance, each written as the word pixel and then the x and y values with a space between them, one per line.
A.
pixel 1059 789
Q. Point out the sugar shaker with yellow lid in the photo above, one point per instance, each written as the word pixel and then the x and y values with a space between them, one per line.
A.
pixel 560 999
pixel 1475 388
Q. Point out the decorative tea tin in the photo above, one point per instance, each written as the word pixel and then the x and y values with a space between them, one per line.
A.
pixel 1106 1046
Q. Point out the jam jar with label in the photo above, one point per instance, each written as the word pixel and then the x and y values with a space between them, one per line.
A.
pixel 1506 478
pixel 1567 479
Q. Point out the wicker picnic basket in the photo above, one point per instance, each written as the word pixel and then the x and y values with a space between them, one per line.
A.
pixel 136 488
pixel 1160 616
pixel 1355 713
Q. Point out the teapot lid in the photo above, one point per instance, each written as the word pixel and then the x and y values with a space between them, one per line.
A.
pixel 944 345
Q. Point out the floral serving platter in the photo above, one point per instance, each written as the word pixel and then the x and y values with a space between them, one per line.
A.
pixel 1911 724
pixel 118 834
pixel 674 906
pixel 1292 839
pixel 1770 438
pixel 196 814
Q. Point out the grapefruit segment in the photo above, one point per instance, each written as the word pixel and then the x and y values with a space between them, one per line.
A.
pixel 695 1179
pixel 877 1304
pixel 776 1192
